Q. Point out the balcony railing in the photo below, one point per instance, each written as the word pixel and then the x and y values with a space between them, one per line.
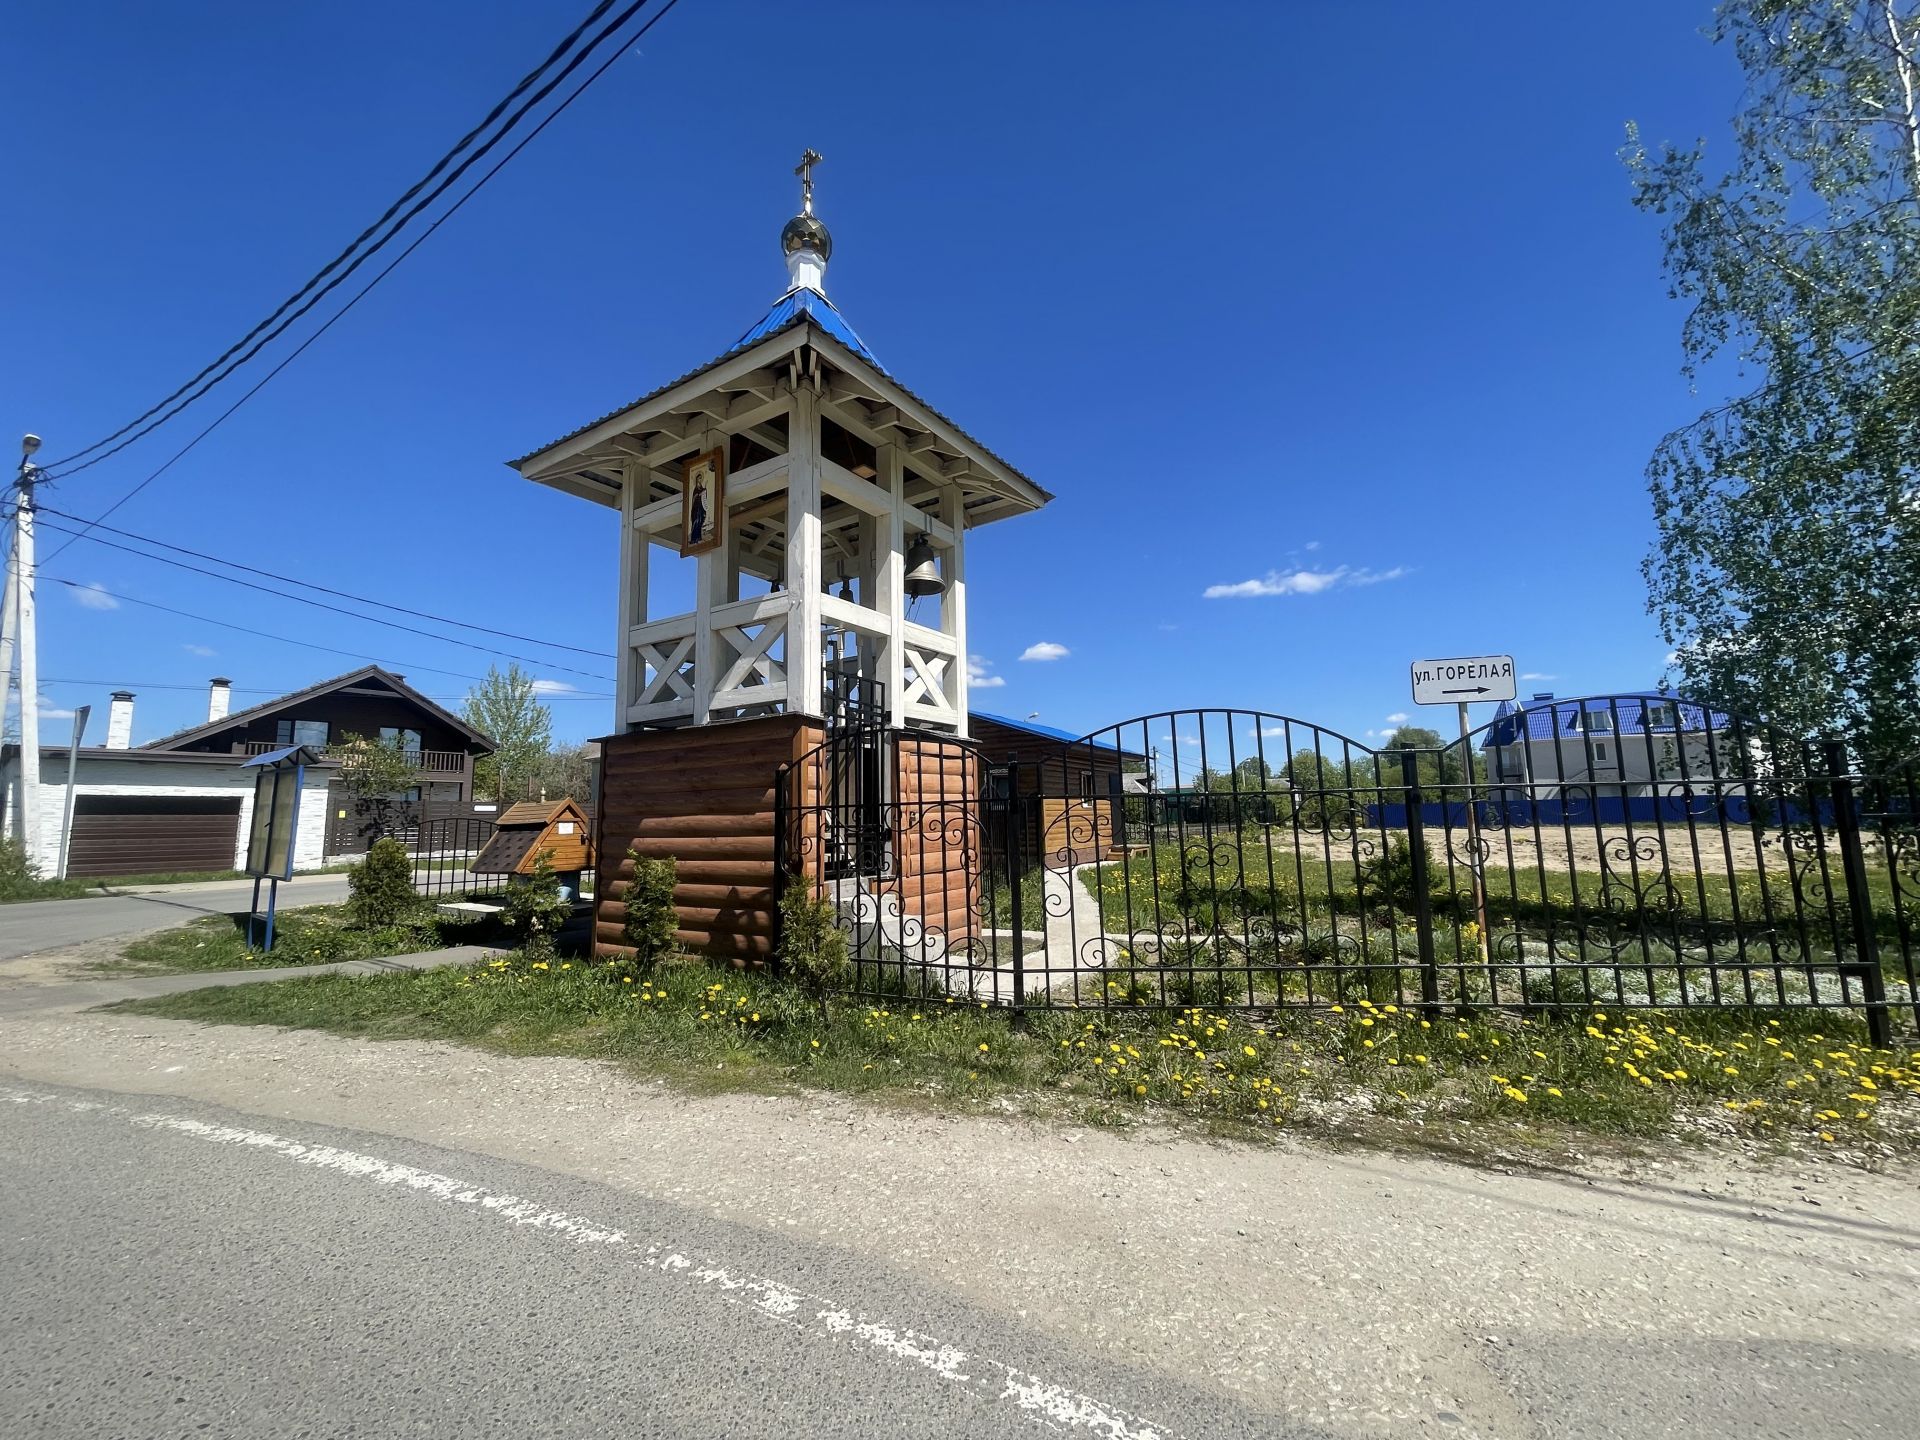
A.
pixel 427 762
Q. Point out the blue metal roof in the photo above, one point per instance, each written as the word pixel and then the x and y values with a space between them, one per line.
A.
pixel 1050 732
pixel 801 301
pixel 1621 714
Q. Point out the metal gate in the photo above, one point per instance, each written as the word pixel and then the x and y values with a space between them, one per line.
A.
pixel 1624 851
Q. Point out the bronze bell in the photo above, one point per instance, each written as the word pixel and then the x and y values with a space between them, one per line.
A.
pixel 923 573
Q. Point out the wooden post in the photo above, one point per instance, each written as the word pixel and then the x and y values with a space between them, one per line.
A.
pixel 953 605
pixel 890 586
pixel 632 600
pixel 803 554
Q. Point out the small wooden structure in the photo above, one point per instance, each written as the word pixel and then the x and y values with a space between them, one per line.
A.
pixel 558 829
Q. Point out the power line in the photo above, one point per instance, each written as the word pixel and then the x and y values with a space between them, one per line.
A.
pixel 261 689
pixel 309 585
pixel 323 605
pixel 454 209
pixel 408 665
pixel 273 330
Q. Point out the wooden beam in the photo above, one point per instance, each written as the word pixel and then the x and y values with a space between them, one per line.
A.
pixel 953 605
pixel 803 555
pixel 889 593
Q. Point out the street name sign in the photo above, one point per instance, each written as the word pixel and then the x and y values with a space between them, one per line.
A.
pixel 1466 679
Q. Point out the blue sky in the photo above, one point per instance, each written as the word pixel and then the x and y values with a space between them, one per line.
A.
pixel 1346 301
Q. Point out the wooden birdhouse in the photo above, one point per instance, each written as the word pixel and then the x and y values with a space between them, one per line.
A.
pixel 559 829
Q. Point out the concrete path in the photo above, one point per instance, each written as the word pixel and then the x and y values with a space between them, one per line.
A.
pixel 70 994
pixel 36 925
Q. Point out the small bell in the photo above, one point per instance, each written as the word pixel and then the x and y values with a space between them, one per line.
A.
pixel 923 573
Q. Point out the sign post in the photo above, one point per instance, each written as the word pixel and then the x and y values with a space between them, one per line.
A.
pixel 1460 682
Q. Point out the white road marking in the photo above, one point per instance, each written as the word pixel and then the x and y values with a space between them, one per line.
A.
pixel 1052 1405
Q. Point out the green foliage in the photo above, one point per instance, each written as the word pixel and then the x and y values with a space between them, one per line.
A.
pixel 566 772
pixel 813 947
pixel 1389 878
pixel 650 915
pixel 1786 573
pixel 507 709
pixel 534 909
pixel 380 888
pixel 20 877
pixel 374 773
pixel 309 935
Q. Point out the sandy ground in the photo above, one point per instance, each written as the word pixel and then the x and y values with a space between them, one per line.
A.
pixel 1372 1294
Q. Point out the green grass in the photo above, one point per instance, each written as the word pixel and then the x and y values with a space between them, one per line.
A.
pixel 310 935
pixel 1226 877
pixel 1369 1070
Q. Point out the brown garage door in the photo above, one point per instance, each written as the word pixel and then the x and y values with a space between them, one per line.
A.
pixel 147 835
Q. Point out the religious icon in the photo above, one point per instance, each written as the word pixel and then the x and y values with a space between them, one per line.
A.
pixel 703 503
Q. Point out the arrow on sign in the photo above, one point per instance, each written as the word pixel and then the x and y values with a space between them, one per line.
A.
pixel 1475 690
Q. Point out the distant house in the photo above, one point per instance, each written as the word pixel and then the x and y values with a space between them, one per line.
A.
pixel 1070 785
pixel 182 803
pixel 1634 746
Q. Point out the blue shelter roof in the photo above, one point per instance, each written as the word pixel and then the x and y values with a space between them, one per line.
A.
pixel 801 301
pixel 1603 715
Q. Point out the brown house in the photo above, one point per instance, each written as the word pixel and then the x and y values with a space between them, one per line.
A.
pixel 371 703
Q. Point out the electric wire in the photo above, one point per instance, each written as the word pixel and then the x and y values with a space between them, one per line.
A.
pixel 323 605
pixel 407 665
pixel 276 323
pixel 362 293
pixel 311 585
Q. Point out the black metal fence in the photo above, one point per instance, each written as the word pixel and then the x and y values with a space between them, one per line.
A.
pixel 442 849
pixel 1626 851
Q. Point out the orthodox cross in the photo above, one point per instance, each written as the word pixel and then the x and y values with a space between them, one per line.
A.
pixel 804 170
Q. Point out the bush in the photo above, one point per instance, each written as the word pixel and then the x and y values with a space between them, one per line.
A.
pixel 535 909
pixel 19 875
pixel 380 887
pixel 1389 878
pixel 651 918
pixel 813 947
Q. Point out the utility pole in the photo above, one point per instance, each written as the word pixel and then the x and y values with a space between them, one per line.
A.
pixel 20 572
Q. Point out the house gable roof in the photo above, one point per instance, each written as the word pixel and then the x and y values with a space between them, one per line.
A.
pixel 1624 715
pixel 482 743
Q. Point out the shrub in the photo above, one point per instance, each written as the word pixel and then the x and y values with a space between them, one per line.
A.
pixel 813 947
pixel 651 917
pixel 1389 878
pixel 535 908
pixel 380 887
pixel 19 874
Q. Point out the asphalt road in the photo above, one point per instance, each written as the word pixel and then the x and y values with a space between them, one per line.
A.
pixel 172 1269
pixel 36 925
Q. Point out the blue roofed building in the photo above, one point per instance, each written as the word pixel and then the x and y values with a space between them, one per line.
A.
pixel 1640 744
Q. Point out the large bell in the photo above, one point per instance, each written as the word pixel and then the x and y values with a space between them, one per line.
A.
pixel 923 573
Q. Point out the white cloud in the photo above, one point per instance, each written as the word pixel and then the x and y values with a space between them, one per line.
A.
pixel 1302 582
pixel 204 651
pixel 1313 544
pixel 50 711
pixel 1538 675
pixel 1399 717
pixel 554 687
pixel 979 676
pixel 1045 650
pixel 93 596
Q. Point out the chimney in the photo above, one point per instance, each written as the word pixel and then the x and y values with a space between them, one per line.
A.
pixel 219 698
pixel 1543 694
pixel 120 721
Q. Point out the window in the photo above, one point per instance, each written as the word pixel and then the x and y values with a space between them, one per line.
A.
pixel 1086 786
pixel 1600 752
pixel 409 739
pixel 300 732
pixel 1599 722
pixel 1660 717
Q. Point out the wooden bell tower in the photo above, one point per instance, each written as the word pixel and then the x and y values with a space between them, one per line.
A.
pixel 823 511
pixel 837 489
